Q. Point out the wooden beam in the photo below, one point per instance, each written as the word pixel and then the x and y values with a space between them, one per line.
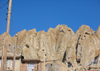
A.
pixel 14 57
pixel 11 57
pixel 31 61
pixel 7 34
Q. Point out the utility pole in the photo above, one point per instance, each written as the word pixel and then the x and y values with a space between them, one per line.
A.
pixel 14 53
pixel 44 57
pixel 7 36
pixel 2 56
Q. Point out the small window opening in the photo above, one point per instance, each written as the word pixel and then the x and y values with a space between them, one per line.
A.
pixel 69 30
pixel 9 44
pixel 78 61
pixel 87 33
pixel 69 64
pixel 27 46
pixel 43 50
pixel 84 36
pixel 81 38
pixel 62 31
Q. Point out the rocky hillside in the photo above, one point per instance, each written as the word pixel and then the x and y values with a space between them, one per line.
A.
pixel 61 43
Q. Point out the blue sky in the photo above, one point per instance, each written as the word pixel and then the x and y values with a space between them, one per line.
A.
pixel 43 14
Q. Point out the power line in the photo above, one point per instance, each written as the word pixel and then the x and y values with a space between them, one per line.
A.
pixel 3 5
pixel 2 16
pixel 2 10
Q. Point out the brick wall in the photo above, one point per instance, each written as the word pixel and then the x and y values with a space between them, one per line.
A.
pixel 24 67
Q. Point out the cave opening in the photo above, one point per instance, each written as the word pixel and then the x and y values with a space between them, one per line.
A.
pixel 69 64
pixel 78 61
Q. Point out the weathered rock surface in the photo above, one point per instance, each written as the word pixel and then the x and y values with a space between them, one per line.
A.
pixel 98 32
pixel 55 43
pixel 58 44
pixel 53 67
pixel 83 47
pixel 56 66
pixel 2 41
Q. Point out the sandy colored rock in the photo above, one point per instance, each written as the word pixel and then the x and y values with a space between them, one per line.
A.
pixel 98 32
pixel 59 43
pixel 83 47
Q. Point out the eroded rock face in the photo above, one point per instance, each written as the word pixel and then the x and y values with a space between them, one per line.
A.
pixel 98 32
pixel 83 47
pixel 58 44
pixel 10 40
pixel 53 43
pixel 53 67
